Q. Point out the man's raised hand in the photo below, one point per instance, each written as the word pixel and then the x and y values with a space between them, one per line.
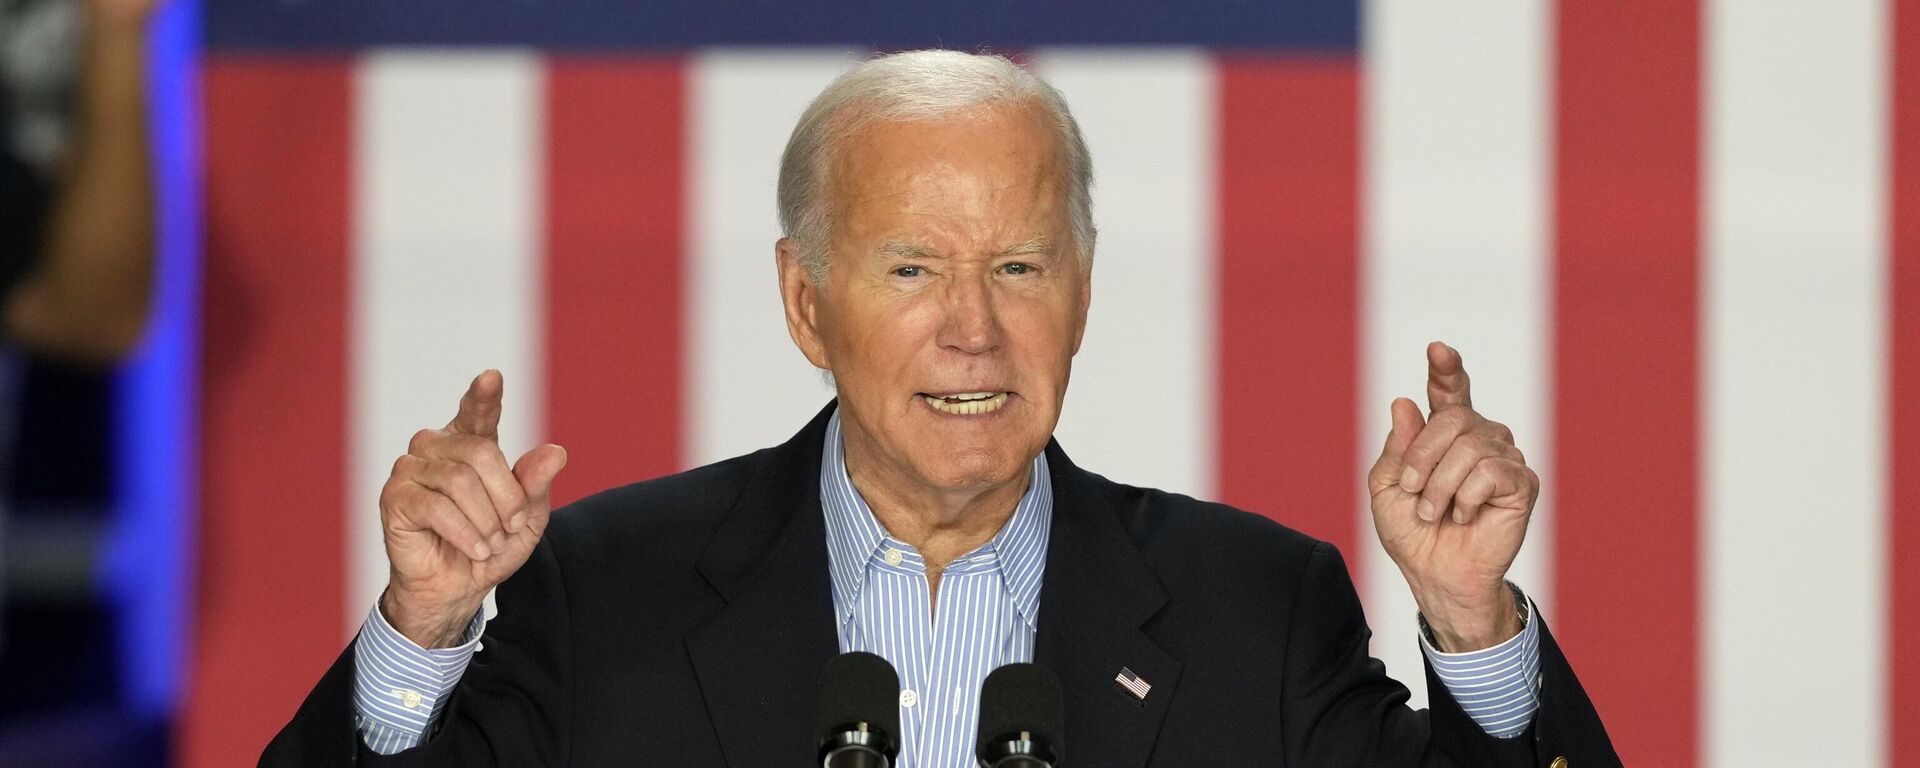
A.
pixel 458 520
pixel 1451 498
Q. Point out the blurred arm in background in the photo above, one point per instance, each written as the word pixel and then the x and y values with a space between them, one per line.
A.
pixel 85 298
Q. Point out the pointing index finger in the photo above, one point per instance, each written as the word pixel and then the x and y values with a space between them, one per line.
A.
pixel 1447 382
pixel 480 407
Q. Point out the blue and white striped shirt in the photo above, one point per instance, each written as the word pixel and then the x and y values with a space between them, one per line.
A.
pixel 988 612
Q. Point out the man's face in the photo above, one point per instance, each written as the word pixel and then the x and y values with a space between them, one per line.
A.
pixel 954 300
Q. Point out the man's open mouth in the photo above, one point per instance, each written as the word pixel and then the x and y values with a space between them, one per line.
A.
pixel 966 403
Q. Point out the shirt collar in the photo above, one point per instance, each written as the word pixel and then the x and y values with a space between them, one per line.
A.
pixel 854 535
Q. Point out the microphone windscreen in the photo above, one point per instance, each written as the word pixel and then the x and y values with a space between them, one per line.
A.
pixel 1022 697
pixel 860 687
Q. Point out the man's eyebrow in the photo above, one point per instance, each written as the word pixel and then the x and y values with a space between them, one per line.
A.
pixel 900 250
pixel 1035 247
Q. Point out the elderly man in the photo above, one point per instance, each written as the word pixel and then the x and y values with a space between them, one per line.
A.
pixel 937 261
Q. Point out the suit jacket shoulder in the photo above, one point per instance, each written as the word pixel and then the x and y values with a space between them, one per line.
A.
pixel 1194 544
pixel 664 522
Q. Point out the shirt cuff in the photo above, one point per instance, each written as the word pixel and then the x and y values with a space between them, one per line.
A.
pixel 1498 687
pixel 400 687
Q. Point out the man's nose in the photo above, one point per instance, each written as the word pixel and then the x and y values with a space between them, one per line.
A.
pixel 970 325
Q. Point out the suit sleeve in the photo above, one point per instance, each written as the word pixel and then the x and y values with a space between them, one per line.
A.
pixel 512 706
pixel 1341 708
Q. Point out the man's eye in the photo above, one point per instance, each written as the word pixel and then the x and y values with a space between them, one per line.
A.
pixel 908 271
pixel 1017 268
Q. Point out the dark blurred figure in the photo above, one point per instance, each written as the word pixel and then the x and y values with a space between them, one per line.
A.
pixel 76 265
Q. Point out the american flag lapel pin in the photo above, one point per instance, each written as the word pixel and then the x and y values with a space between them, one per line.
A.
pixel 1135 685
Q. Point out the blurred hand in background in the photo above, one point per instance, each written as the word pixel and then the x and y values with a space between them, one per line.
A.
pixel 84 282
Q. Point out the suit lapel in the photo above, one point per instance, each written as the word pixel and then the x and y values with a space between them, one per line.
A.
pixel 1096 594
pixel 759 659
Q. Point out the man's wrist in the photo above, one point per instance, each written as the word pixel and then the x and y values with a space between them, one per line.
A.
pixel 1454 625
pixel 427 629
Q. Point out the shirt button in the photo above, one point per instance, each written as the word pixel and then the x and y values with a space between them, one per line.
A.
pixel 893 557
pixel 410 699
pixel 908 698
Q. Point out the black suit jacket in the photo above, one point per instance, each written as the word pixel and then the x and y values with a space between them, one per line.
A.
pixel 685 621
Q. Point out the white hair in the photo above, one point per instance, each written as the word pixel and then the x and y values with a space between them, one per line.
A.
pixel 910 86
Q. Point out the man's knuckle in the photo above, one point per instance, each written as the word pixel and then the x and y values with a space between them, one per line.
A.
pixel 445 511
pixel 1489 470
pixel 432 473
pixel 1419 456
pixel 514 497
pixel 422 441
pixel 476 451
pixel 1463 444
pixel 455 530
pixel 1481 446
pixel 1494 432
pixel 464 478
pixel 391 494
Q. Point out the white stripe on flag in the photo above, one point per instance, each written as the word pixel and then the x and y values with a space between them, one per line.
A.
pixel 1794 483
pixel 1141 402
pixel 447 200
pixel 1456 188
pixel 747 386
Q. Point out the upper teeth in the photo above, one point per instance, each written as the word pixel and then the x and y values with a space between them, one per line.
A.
pixel 967 403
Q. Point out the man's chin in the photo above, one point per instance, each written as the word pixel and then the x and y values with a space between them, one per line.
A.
pixel 974 471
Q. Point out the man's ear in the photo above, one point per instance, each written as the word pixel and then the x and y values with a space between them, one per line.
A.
pixel 800 297
pixel 1086 303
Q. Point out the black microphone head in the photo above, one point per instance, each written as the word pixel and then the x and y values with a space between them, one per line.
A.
pixel 1022 703
pixel 860 692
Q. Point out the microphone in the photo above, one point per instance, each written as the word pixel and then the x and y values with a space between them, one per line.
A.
pixel 859 713
pixel 1022 714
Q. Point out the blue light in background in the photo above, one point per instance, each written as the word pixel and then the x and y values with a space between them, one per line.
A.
pixel 147 568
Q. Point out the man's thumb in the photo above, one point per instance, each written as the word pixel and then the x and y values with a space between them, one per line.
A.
pixel 536 469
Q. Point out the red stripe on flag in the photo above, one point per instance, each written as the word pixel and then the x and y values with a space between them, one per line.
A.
pixel 1288 283
pixel 272 539
pixel 613 269
pixel 1903 468
pixel 1626 356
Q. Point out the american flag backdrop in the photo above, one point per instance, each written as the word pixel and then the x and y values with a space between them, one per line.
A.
pixel 1677 241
